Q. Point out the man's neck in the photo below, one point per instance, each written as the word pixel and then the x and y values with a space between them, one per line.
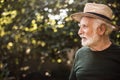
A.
pixel 101 45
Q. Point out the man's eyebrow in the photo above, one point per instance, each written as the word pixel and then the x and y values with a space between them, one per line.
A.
pixel 81 25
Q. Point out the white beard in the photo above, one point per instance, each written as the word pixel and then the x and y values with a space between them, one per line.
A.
pixel 90 40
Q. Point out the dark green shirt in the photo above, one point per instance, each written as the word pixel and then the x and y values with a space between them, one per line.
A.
pixel 96 65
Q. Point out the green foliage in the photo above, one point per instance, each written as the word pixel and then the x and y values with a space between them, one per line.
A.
pixel 33 31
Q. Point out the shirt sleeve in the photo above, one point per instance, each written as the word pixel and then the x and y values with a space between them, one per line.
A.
pixel 73 73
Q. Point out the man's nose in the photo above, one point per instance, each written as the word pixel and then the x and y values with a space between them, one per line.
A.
pixel 80 31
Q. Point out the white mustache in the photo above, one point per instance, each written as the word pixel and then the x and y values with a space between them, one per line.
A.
pixel 82 36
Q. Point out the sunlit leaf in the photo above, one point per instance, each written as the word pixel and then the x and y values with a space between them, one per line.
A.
pixel 28 51
pixel 33 41
pixel 54 29
pixel 59 60
pixel 1 65
pixel 25 68
pixel 10 45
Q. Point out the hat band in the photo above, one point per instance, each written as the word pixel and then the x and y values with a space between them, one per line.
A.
pixel 100 15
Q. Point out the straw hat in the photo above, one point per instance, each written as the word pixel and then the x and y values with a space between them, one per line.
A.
pixel 99 11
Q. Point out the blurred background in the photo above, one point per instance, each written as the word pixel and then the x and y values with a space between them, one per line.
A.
pixel 38 39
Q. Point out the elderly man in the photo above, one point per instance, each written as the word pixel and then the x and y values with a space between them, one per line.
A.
pixel 99 58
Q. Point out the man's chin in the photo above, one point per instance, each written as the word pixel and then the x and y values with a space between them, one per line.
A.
pixel 85 44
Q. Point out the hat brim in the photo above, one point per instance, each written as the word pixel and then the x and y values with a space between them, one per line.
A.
pixel 77 17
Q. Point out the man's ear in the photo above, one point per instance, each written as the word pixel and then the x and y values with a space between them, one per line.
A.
pixel 101 29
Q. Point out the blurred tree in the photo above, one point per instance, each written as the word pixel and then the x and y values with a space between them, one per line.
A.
pixel 33 32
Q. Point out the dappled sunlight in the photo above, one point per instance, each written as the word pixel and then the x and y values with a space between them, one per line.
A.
pixel 40 36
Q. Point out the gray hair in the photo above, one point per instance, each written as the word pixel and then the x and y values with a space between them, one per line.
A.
pixel 109 28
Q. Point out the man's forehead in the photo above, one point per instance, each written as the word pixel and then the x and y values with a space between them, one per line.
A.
pixel 86 20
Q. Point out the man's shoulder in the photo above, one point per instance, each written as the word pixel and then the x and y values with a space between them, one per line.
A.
pixel 82 50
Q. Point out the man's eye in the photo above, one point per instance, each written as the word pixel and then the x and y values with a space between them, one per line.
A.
pixel 84 26
pixel 81 26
